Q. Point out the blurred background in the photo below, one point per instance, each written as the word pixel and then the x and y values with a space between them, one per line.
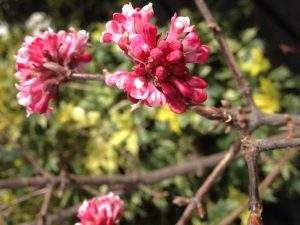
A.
pixel 93 132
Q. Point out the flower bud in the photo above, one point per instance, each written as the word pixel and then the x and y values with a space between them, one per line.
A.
pixel 174 56
pixel 161 73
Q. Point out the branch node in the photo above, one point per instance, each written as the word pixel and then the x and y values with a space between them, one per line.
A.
pixel 214 27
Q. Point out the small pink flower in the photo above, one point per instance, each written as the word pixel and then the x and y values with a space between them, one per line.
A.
pixel 126 25
pixel 38 84
pixel 105 210
pixel 179 26
pixel 160 75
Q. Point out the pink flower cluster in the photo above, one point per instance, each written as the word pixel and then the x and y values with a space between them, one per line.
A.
pixel 38 85
pixel 160 75
pixel 105 210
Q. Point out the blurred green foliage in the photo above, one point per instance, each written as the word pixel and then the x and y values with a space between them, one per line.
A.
pixel 93 132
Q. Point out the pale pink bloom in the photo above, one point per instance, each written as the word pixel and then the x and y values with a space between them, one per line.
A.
pixel 104 210
pixel 179 26
pixel 126 25
pixel 160 75
pixel 38 85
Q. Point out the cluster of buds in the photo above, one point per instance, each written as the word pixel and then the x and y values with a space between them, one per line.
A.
pixel 160 75
pixel 104 210
pixel 42 64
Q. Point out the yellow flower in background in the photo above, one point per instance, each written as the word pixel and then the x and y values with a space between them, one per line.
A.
pixel 65 113
pixel 83 118
pixel 165 115
pixel 101 156
pixel 256 64
pixel 126 133
pixel 268 98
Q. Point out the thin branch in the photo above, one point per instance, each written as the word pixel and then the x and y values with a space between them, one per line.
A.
pixel 196 201
pixel 86 76
pixel 43 212
pixel 27 155
pixel 33 162
pixel 57 217
pixel 271 144
pixel 89 189
pixel 212 113
pixel 277 119
pixel 251 154
pixel 152 193
pixel 23 198
pixel 149 178
pixel 269 179
pixel 243 86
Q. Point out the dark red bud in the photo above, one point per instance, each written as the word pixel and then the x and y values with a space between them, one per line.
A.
pixel 164 46
pixel 177 105
pixel 85 57
pixel 150 68
pixel 176 45
pixel 199 96
pixel 139 69
pixel 168 89
pixel 174 56
pixel 197 82
pixel 161 73
pixel 180 70
pixel 182 87
pixel 157 54
pixel 139 53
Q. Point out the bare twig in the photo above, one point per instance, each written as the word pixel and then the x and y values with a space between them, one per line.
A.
pixel 152 193
pixel 243 86
pixel 269 179
pixel 266 145
pixel 277 119
pixel 43 212
pixel 251 153
pixel 57 217
pixel 212 113
pixel 89 189
pixel 23 198
pixel 26 154
pixel 149 178
pixel 196 201
pixel 86 76
pixel 33 162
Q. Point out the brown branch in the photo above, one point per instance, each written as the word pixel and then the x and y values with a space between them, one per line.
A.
pixel 243 86
pixel 277 119
pixel 27 155
pixel 218 170
pixel 271 144
pixel 269 179
pixel 149 178
pixel 251 154
pixel 43 212
pixel 57 217
pixel 86 76
pixel 23 198
pixel 211 113
pixel 33 162
pixel 152 193
pixel 89 189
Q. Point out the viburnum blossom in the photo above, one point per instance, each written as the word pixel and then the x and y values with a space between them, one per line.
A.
pixel 43 62
pixel 105 210
pixel 160 75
